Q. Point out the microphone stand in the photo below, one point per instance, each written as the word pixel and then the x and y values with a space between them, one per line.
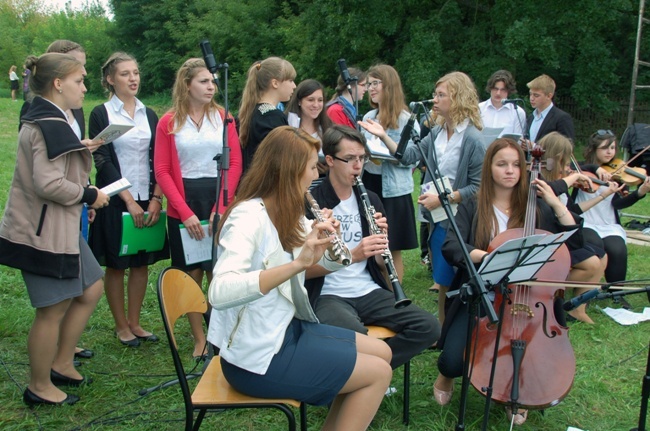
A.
pixel 474 291
pixel 223 161
pixel 645 386
pixel 645 394
pixel 355 99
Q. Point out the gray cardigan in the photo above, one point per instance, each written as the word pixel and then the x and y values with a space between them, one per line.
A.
pixel 472 153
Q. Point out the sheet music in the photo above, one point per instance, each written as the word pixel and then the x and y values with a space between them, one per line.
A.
pixel 535 250
pixel 116 187
pixel 439 214
pixel 193 250
pixel 490 134
pixel 627 317
pixel 112 132
pixel 378 149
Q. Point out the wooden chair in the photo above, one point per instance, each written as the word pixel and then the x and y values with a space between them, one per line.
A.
pixel 179 294
pixel 384 333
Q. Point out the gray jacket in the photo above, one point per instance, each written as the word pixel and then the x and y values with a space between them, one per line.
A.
pixel 472 152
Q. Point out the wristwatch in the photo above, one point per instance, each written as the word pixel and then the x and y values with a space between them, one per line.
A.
pixel 451 197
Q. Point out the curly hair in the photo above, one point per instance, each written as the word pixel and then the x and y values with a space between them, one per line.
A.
pixel 464 100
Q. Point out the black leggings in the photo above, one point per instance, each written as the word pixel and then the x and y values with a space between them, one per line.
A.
pixel 616 258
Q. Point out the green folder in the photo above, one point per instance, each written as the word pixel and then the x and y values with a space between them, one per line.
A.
pixel 146 239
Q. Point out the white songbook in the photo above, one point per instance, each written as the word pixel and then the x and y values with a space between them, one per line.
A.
pixel 116 187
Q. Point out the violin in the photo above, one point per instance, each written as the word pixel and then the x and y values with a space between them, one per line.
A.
pixel 595 181
pixel 632 176
pixel 535 363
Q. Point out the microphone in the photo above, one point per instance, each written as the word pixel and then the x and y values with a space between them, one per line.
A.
pixel 412 105
pixel 345 73
pixel 581 299
pixel 513 101
pixel 210 61
pixel 406 135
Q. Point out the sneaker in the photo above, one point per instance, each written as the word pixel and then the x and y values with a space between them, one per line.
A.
pixel 425 261
pixel 390 391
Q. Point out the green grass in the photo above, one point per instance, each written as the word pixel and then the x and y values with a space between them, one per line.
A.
pixel 611 360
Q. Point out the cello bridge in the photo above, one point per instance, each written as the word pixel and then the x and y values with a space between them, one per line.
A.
pixel 521 308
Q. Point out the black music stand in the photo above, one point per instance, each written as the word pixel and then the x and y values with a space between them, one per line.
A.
pixel 515 261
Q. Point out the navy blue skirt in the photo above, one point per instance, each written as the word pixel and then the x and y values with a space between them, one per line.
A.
pixel 313 364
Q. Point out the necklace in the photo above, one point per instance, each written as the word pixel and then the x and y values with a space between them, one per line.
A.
pixel 198 124
pixel 503 210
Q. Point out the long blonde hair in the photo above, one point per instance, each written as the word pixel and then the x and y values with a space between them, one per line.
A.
pixel 259 78
pixel 276 171
pixel 464 100
pixel 181 95
pixel 392 102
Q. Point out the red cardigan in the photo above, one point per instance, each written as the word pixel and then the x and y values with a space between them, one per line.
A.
pixel 167 169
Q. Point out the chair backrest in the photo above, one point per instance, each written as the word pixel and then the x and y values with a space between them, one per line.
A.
pixel 179 294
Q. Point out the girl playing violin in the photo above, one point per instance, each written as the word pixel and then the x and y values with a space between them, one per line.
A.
pixel 499 205
pixel 600 209
pixel 588 262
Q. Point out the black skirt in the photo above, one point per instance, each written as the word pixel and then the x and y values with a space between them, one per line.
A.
pixel 400 214
pixel 200 196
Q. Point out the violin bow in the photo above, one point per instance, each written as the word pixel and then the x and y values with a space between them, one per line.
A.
pixel 622 285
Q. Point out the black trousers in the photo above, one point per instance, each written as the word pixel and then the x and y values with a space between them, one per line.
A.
pixel 416 328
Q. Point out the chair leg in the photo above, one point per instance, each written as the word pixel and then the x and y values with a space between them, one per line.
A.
pixel 199 419
pixel 407 392
pixel 303 417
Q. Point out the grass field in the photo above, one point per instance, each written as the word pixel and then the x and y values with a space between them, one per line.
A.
pixel 605 396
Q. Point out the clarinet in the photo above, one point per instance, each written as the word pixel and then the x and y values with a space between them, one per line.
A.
pixel 340 251
pixel 400 298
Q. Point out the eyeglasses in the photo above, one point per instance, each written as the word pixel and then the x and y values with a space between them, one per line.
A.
pixel 373 84
pixel 353 159
pixel 603 132
pixel 438 95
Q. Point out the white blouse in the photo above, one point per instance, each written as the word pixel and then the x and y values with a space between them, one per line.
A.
pixel 132 148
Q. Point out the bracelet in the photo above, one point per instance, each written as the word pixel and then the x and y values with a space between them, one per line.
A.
pixel 157 198
pixel 563 214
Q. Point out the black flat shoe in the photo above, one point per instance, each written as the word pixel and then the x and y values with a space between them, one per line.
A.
pixel 59 379
pixel 84 354
pixel 129 343
pixel 31 399
pixel 152 338
pixel 77 364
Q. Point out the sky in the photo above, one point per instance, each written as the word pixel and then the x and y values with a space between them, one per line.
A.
pixel 75 4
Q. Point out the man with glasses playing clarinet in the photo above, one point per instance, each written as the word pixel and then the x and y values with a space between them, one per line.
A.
pixel 360 294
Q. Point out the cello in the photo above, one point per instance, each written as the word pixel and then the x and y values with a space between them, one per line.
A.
pixel 535 363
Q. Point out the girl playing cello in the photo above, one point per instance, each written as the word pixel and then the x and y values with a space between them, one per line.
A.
pixel 499 205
